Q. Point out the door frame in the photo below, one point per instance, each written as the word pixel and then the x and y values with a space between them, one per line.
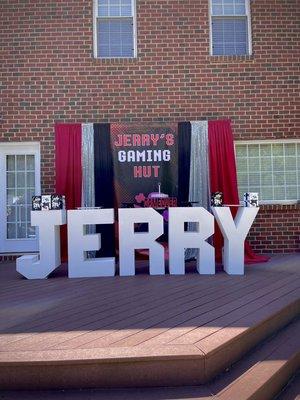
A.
pixel 12 245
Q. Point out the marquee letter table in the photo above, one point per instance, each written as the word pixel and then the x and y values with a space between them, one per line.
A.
pixel 39 267
pixel 234 232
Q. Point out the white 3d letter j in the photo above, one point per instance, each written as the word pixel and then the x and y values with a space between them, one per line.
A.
pixel 48 222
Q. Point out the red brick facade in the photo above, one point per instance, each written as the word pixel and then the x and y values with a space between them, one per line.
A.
pixel 276 229
pixel 48 74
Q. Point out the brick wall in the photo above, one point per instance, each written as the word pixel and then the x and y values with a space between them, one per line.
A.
pixel 276 229
pixel 48 72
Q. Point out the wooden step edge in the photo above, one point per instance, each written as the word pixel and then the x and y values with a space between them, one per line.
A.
pixel 291 390
pixel 110 354
pixel 101 368
pixel 266 378
pixel 218 359
pixel 172 365
pixel 276 382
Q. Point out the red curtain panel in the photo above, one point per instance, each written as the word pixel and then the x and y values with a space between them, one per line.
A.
pixel 223 178
pixel 68 171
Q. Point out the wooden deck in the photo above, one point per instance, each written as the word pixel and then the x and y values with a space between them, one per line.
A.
pixel 140 318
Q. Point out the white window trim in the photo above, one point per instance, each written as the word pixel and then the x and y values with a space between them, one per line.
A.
pixel 248 15
pixel 272 141
pixel 21 148
pixel 95 42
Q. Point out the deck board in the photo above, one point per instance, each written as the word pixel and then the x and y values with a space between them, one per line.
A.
pixel 220 304
pixel 61 313
pixel 247 305
pixel 205 324
pixel 104 322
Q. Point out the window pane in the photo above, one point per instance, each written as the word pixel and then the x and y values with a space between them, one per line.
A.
pixel 240 48
pixel 10 179
pixel 277 149
pixel 254 180
pixel 21 179
pixel 20 188
pixel 31 179
pixel 240 7
pixel 291 178
pixel 241 151
pixel 20 198
pixel 11 231
pixel 266 179
pixel 21 163
pixel 103 11
pixel 229 36
pixel 22 213
pixel 290 149
pixel 253 150
pixel 115 8
pixel 278 178
pixel 115 51
pixel 279 193
pixel 218 49
pixel 30 193
pixel 217 30
pixel 11 196
pixel 243 179
pixel 266 164
pixel 217 9
pixel 126 11
pixel 21 230
pixel 253 164
pixel 30 163
pixel 11 214
pixel 10 163
pixel 279 172
pixel 115 38
pixel 267 193
pixel 290 163
pixel 114 11
pixel 265 150
pixel 104 51
pixel 278 164
pixel 242 190
pixel 243 164
pixel 228 7
pixel 291 193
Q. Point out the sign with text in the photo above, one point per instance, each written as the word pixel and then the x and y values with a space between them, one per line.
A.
pixel 145 163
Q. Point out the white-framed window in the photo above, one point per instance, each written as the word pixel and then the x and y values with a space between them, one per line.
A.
pixel 271 168
pixel 230 27
pixel 115 29
pixel 19 181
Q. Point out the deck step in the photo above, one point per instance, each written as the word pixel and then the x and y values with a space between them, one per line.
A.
pixel 172 365
pixel 142 331
pixel 260 375
pixel 292 390
pixel 264 372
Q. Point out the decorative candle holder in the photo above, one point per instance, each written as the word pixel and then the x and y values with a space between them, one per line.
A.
pixel 250 199
pixel 216 199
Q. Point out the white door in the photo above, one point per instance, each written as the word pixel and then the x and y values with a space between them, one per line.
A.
pixel 19 181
